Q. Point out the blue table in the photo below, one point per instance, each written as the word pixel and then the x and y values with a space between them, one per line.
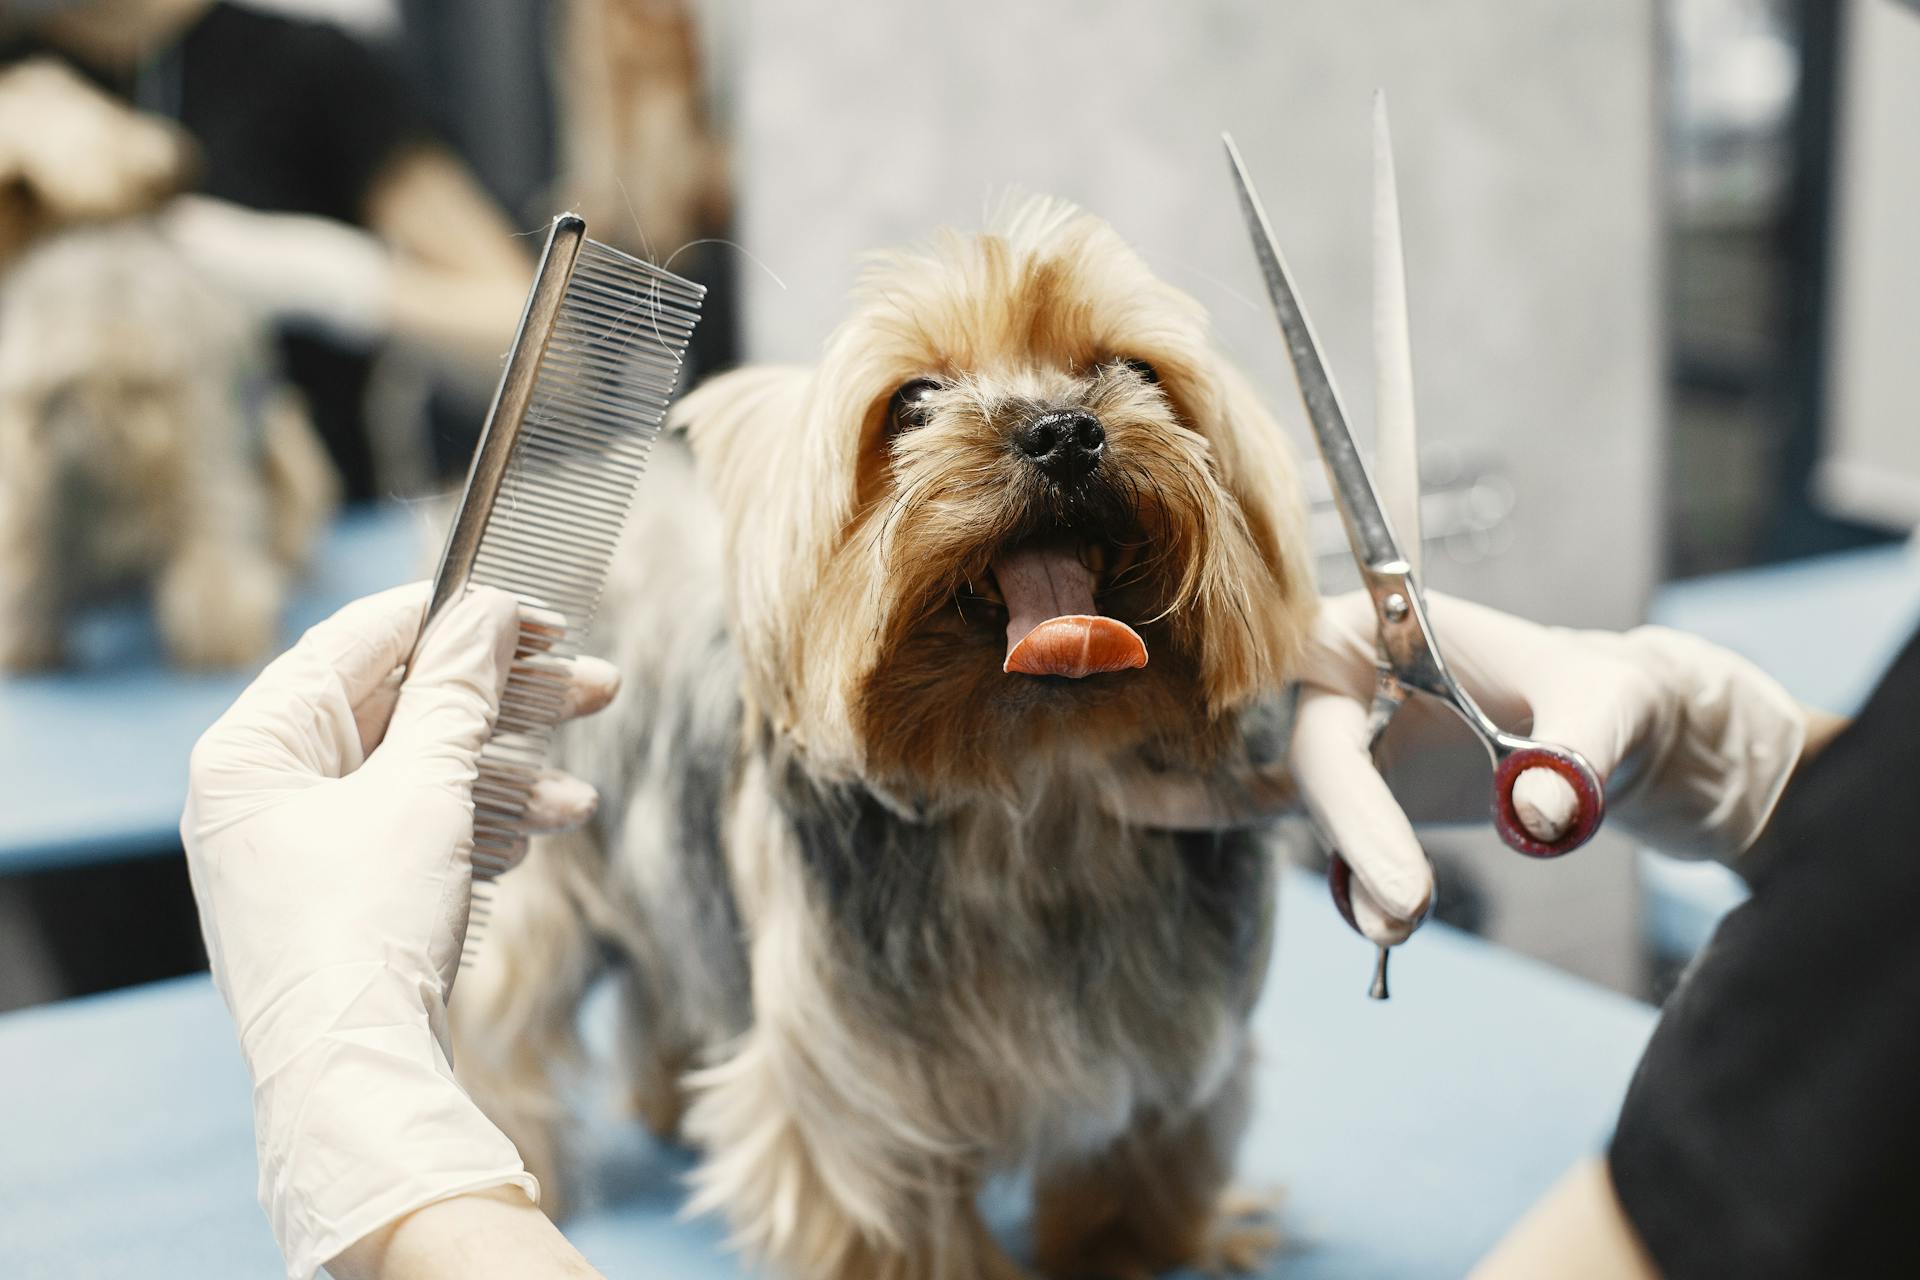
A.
pixel 93 760
pixel 1405 1136
pixel 1826 628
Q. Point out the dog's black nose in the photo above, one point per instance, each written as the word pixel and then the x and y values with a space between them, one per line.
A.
pixel 1065 443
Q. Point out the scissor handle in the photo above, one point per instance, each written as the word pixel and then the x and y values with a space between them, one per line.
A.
pixel 1513 756
pixel 1340 886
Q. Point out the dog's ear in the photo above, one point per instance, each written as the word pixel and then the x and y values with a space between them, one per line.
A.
pixel 749 433
pixel 1257 466
pixel 746 430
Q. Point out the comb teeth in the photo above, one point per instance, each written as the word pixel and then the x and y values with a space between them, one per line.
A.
pixel 609 357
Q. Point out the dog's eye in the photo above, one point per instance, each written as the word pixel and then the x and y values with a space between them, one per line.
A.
pixel 908 408
pixel 1140 369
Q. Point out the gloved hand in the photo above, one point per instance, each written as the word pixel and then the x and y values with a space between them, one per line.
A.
pixel 328 831
pixel 1695 743
pixel 294 268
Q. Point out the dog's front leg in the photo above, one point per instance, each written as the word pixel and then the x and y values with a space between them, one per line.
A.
pixel 515 1012
pixel 33 604
pixel 218 603
pixel 1156 1200
pixel 825 1190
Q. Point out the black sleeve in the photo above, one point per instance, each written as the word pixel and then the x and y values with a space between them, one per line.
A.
pixel 366 112
pixel 294 115
pixel 1773 1126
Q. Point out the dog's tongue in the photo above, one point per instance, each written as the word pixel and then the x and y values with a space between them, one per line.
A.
pixel 1053 627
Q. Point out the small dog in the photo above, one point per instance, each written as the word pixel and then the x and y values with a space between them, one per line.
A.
pixel 145 442
pixel 900 633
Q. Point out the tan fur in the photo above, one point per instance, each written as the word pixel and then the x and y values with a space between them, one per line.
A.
pixel 912 945
pixel 145 442
pixel 824 567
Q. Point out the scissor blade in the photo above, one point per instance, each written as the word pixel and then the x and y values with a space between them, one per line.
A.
pixel 1367 528
pixel 1396 439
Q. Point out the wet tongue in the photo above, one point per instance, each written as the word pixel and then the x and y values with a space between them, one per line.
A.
pixel 1053 626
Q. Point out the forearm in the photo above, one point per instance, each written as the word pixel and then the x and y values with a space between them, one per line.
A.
pixel 464 322
pixel 1577 1231
pixel 460 275
pixel 477 1236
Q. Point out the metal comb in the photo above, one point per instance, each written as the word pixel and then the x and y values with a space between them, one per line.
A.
pixel 584 393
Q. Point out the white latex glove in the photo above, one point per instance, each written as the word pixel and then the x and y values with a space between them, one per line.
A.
pixel 1695 743
pixel 328 831
pixel 294 268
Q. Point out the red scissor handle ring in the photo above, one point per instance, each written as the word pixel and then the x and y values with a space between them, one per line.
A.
pixel 1589 808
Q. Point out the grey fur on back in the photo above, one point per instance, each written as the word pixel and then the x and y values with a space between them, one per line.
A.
pixel 665 755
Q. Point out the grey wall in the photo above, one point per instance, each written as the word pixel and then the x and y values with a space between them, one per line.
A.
pixel 1525 140
pixel 1525 136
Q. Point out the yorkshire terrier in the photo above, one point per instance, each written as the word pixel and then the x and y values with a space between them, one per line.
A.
pixel 145 443
pixel 903 633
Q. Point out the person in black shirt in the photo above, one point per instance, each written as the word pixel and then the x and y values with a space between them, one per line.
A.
pixel 323 194
pixel 1772 1128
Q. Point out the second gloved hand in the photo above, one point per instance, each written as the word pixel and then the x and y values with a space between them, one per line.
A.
pixel 1695 743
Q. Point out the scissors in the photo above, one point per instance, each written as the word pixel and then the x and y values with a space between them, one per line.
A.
pixel 1407 653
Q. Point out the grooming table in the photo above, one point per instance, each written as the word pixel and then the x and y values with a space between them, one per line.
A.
pixel 95 757
pixel 1405 1137
pixel 1826 628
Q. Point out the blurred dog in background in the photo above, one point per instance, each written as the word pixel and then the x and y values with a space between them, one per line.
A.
pixel 901 633
pixel 145 441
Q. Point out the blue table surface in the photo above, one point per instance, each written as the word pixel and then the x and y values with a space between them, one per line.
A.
pixel 1826 628
pixel 1405 1137
pixel 93 760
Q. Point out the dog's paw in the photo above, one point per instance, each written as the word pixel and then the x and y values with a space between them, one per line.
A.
pixel 1243 1235
pixel 1239 1248
pixel 218 608
pixel 660 1100
pixel 1238 1240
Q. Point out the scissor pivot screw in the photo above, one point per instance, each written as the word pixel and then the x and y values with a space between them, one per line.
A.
pixel 1395 606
